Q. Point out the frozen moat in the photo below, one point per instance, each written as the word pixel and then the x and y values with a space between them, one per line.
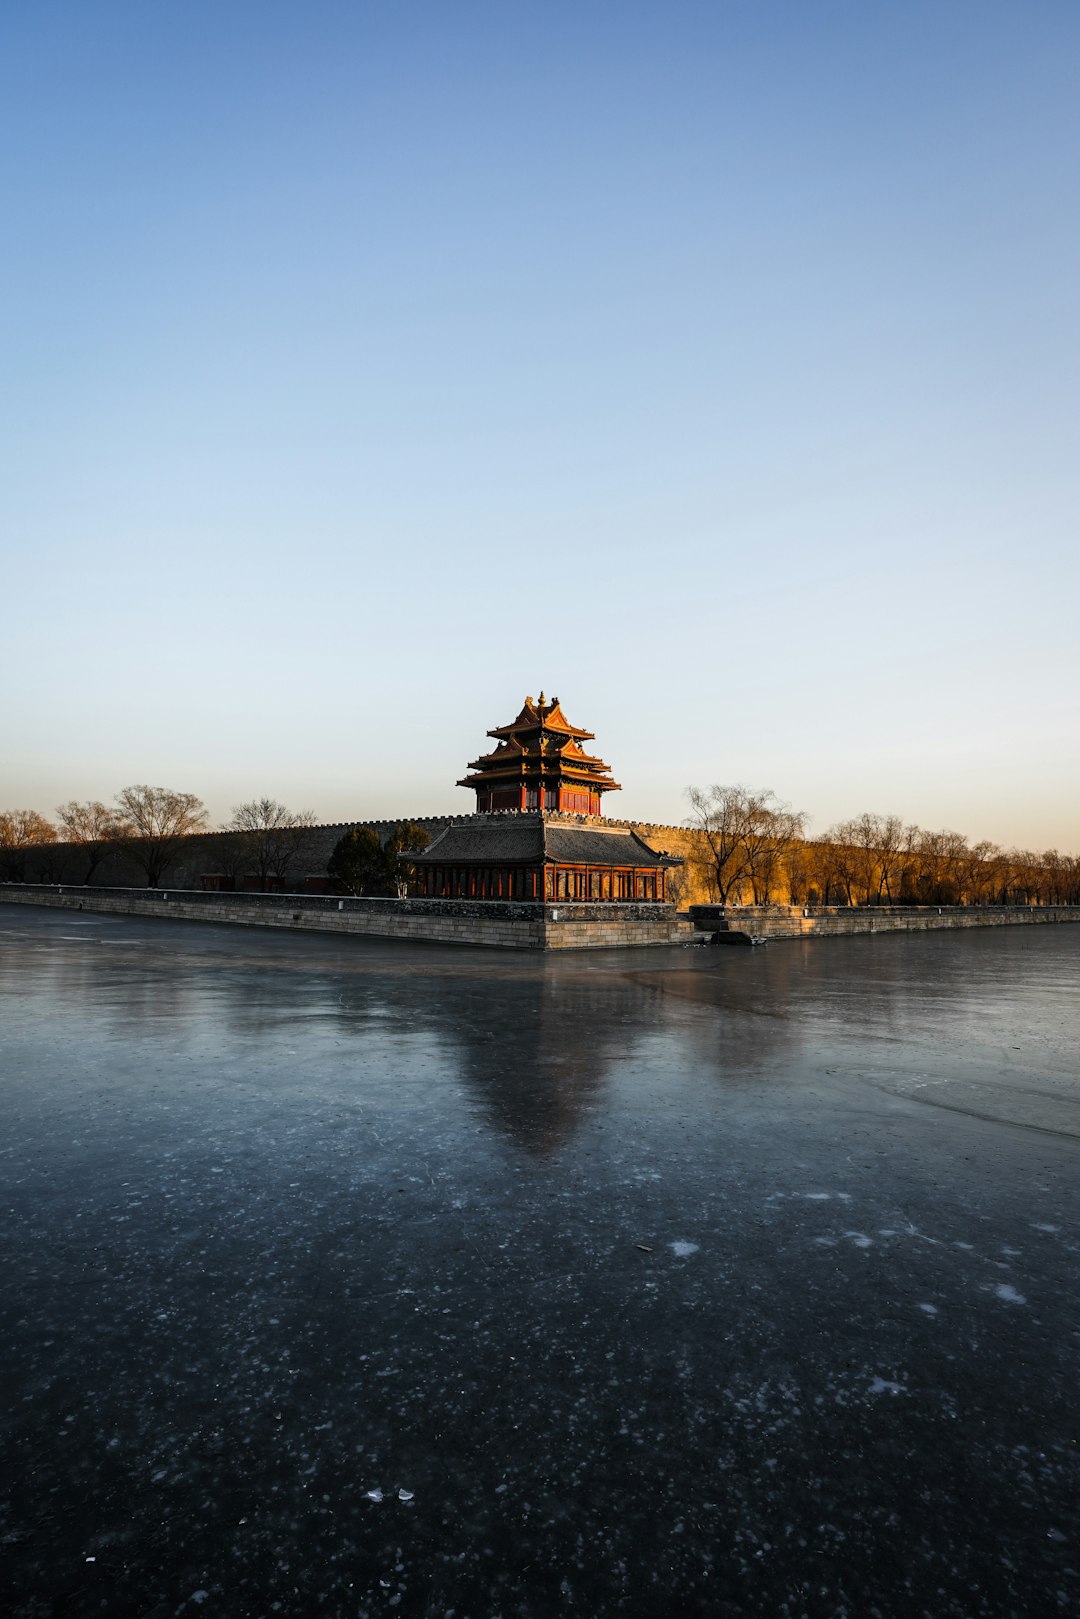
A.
pixel 346 1278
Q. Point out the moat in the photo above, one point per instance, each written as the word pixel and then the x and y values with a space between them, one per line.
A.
pixel 346 1277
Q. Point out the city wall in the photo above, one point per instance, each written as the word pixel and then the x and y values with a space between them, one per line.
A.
pixel 499 924
pixel 748 924
pixel 208 853
pixel 518 925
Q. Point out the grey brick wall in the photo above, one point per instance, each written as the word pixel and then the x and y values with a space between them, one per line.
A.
pixel 66 863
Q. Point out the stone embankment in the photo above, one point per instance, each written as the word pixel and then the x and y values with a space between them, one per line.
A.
pixel 748 923
pixel 520 925
pixel 502 924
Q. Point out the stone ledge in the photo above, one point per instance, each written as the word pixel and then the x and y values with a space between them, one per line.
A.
pixel 500 924
pixel 837 921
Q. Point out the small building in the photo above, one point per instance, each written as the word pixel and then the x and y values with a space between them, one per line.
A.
pixel 541 857
pixel 538 833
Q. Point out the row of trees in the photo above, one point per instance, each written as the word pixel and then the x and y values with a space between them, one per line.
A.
pixel 362 864
pixel 149 826
pixel 753 848
pixel 750 847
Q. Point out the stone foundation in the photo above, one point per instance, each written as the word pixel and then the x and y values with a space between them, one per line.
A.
pixel 525 925
pixel 499 924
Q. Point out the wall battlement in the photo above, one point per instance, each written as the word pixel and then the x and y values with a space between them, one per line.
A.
pixel 203 853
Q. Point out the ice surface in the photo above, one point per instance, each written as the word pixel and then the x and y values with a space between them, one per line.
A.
pixel 1009 1294
pixel 285 1216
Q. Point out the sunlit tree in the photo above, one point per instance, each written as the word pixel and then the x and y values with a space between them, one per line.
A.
pixel 744 832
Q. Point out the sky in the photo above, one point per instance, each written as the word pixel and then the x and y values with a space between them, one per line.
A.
pixel 713 367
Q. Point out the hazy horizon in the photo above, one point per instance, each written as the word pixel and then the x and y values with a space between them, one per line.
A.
pixel 714 368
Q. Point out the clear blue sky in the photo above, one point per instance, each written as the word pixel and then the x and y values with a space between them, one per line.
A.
pixel 712 366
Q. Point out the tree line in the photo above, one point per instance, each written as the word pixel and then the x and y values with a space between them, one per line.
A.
pixel 754 849
pixel 361 863
pixel 750 848
pixel 149 825
pixel 262 839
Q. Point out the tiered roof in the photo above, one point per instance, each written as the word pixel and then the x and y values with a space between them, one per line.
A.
pixel 541 749
pixel 538 839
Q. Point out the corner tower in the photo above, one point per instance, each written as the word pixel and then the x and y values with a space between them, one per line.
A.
pixel 540 764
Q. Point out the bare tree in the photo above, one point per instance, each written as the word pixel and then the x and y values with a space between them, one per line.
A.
pixel 272 835
pixel 848 860
pixel 956 858
pixel 907 865
pixel 24 834
pixel 822 875
pixel 797 869
pixel 789 836
pixel 155 822
pixel 1062 872
pixel 774 831
pixel 997 876
pixel 891 834
pixel 868 858
pixel 93 827
pixel 737 826
pixel 1024 876
pixel 749 838
pixel 1072 879
pixel 977 873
